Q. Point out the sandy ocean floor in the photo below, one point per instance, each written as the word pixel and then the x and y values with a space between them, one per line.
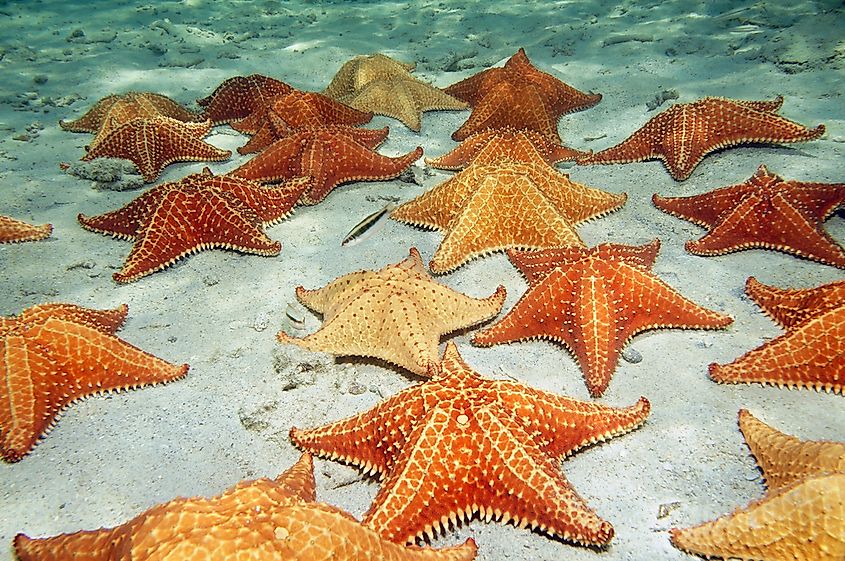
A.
pixel 111 457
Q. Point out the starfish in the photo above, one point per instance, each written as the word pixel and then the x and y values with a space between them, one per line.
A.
pixel 461 444
pixel 488 208
pixel 238 97
pixel 518 96
pixel 492 146
pixel 397 314
pixel 381 85
pixel 802 515
pixel 811 354
pixel 330 155
pixel 54 354
pixel 148 102
pixel 593 301
pixel 153 144
pixel 270 519
pixel 361 70
pixel 684 134
pixel 296 110
pixel 124 110
pixel 766 211
pixel 201 211
pixel 13 230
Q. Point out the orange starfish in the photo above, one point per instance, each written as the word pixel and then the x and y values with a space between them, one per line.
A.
pixel 488 208
pixel 296 110
pixel 397 314
pixel 147 102
pixel 200 211
pixel 811 354
pixel 54 354
pixel 593 301
pixel 330 155
pixel 460 444
pixel 13 230
pixel 262 519
pixel 238 97
pixel 686 132
pixel 802 515
pixel 155 143
pixel 492 146
pixel 518 96
pixel 765 211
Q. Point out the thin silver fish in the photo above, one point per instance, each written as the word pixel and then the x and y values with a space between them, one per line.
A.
pixel 355 234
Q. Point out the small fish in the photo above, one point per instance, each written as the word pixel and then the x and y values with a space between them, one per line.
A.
pixel 355 234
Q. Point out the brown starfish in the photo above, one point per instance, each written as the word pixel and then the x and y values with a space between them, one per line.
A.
pixel 239 96
pixel 13 230
pixel 148 102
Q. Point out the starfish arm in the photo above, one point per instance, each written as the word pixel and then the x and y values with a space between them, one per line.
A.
pixel 562 425
pixel 348 161
pixel 803 521
pixel 125 222
pixel 708 209
pixel 785 459
pixel 186 222
pixel 505 211
pixel 791 307
pixel 578 203
pixel 298 480
pixel 638 147
pixel 517 482
pixel 12 230
pixel 93 118
pixel 92 545
pixel 472 89
pixel 369 440
pixel 437 207
pixel 811 356
pixel 271 204
pixel 335 295
pixel 464 153
pixel 239 96
pixel 768 106
pixel 106 321
pixel 281 160
pixel 310 108
pixel 452 310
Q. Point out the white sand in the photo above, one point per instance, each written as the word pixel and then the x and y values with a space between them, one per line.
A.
pixel 111 457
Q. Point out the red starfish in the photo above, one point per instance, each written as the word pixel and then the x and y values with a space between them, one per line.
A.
pixel 460 444
pixel 593 301
pixel 811 354
pixel 518 96
pixel 54 354
pixel 200 211
pixel 237 97
pixel 491 146
pixel 296 110
pixel 330 155
pixel 686 132
pixel 153 144
pixel 13 230
pixel 766 211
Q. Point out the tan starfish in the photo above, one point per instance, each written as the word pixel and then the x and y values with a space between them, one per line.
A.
pixel 14 230
pixel 148 102
pixel 153 144
pixel 802 515
pixel 488 208
pixel 266 519
pixel 383 86
pixel 397 314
